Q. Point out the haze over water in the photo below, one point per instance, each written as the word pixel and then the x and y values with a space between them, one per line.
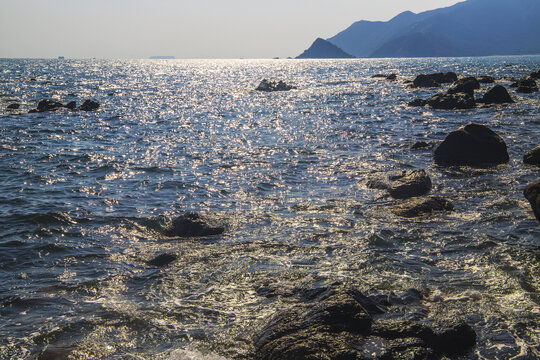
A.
pixel 85 197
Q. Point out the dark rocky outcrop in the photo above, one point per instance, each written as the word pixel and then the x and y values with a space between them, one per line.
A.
pixel 192 224
pixel 434 80
pixel 465 85
pixel 49 105
pixel 532 157
pixel 418 102
pixel 535 75
pixel 324 49
pixel 526 85
pixel 336 323
pixel 72 105
pixel 269 86
pixel 449 101
pixel 420 207
pixel 391 77
pixel 162 260
pixel 89 105
pixel 486 79
pixel 379 76
pixel 496 95
pixel 532 193
pixel 474 145
pixel 13 106
pixel 407 184
pixel 422 145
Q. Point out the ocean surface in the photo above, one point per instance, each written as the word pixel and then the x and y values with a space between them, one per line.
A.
pixel 85 198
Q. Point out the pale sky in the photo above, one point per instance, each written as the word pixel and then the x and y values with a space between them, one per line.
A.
pixel 183 28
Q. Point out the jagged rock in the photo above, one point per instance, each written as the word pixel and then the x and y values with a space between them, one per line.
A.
pixel 193 224
pixel 342 324
pixel 420 207
pixel 486 79
pixel 532 193
pixel 13 106
pixel 162 260
pixel 89 105
pixel 434 80
pixel 72 105
pixel 532 157
pixel 458 101
pixel 474 145
pixel 465 85
pixel 269 86
pixel 48 105
pixel 422 145
pixel 496 95
pixel 407 184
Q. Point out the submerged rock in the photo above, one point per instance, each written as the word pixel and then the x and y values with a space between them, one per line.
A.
pixel 162 260
pixel 422 145
pixel 89 105
pixel 532 193
pixel 13 106
pixel 450 101
pixel 420 207
pixel 391 77
pixel 339 324
pixel 474 145
pixel 496 95
pixel 192 224
pixel 532 157
pixel 269 86
pixel 407 184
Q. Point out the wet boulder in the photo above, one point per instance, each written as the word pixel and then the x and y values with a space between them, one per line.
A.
pixel 532 157
pixel 420 207
pixel 465 85
pixel 449 101
pixel 72 105
pixel 13 106
pixel 192 224
pixel 162 260
pixel 532 193
pixel 434 80
pixel 270 86
pixel 526 81
pixel 422 145
pixel 404 185
pixel 496 95
pixel 486 79
pixel 473 145
pixel 535 75
pixel 49 105
pixel 418 102
pixel 425 81
pixel 391 77
pixel 89 105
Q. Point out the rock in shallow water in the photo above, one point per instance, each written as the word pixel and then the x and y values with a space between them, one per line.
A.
pixel 532 157
pixel 340 323
pixel 162 260
pixel 496 95
pixel 407 184
pixel 420 207
pixel 532 193
pixel 89 105
pixel 473 145
pixel 192 224
pixel 269 86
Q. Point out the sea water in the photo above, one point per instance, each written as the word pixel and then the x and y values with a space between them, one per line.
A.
pixel 85 196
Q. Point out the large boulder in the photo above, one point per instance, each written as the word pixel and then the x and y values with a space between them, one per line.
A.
pixel 532 157
pixel 496 95
pixel 473 145
pixel 486 79
pixel 420 207
pixel 404 185
pixel 465 85
pixel 532 193
pixel 49 105
pixel 13 106
pixel 269 86
pixel 192 224
pixel 450 101
pixel 336 323
pixel 434 80
pixel 89 105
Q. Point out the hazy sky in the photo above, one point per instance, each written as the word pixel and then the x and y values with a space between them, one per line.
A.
pixel 183 28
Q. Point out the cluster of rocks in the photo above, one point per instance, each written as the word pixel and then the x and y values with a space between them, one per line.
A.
pixel 335 322
pixel 270 86
pixel 48 105
pixel 527 84
pixel 434 80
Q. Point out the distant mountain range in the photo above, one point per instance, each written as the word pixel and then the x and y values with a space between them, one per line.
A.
pixel 469 28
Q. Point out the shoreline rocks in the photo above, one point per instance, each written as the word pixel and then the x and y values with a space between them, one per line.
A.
pixel 420 207
pixel 192 224
pixel 434 80
pixel 407 184
pixel 496 95
pixel 532 157
pixel 532 193
pixel 340 323
pixel 472 145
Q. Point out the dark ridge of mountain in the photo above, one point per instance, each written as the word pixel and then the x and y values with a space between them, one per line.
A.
pixel 470 28
pixel 323 49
